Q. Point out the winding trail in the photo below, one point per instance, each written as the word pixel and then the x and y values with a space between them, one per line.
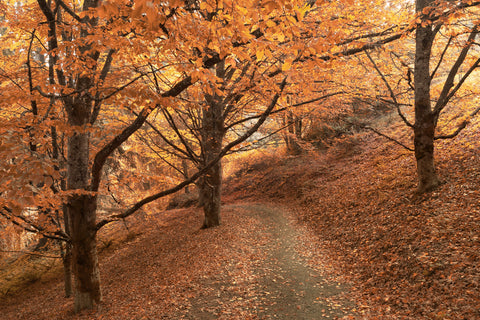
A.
pixel 283 285
pixel 255 265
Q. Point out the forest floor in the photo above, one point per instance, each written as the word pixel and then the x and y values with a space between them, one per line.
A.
pixel 324 235
pixel 254 266
pixel 406 255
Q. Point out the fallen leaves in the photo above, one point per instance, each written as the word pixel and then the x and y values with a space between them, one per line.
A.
pixel 247 268
pixel 408 256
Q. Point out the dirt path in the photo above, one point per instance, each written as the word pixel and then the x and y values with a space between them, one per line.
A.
pixel 250 267
pixel 282 285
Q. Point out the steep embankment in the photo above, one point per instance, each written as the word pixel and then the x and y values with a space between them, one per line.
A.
pixel 408 256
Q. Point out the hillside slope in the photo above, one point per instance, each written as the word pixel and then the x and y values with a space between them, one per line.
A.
pixel 409 256
pixel 353 216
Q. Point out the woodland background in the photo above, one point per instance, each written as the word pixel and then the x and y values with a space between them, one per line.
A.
pixel 359 116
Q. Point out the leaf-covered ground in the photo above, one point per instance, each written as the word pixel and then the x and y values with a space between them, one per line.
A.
pixel 251 267
pixel 353 216
pixel 407 256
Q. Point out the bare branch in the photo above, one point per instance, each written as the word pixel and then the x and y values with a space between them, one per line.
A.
pixel 69 11
pixel 459 129
pixel 370 35
pixel 381 134
pixel 463 79
pixel 105 152
pixel 103 75
pixel 198 174
pixel 441 57
pixel 58 235
pixel 446 95
pixel 157 153
pixel 246 148
pixel 191 154
pixel 390 90
pixel 170 143
pixel 283 109
pixel 318 98
pixel 7 76
pixel 33 102
pixel 31 254
pixel 117 90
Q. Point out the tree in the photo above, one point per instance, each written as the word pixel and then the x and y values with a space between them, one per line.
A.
pixel 73 86
pixel 96 92
pixel 228 109
pixel 90 72
pixel 424 127
pixel 444 32
pixel 426 116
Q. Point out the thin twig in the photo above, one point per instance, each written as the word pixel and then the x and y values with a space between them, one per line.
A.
pixel 31 253
pixel 380 134
pixel 390 90
pixel 459 129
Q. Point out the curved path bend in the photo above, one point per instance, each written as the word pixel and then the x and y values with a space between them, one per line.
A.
pixel 284 285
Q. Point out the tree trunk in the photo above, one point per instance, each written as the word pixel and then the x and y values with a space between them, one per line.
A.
pixel 291 122
pixel 298 127
pixel 82 207
pixel 211 183
pixel 424 154
pixel 213 131
pixel 210 195
pixel 84 252
pixel 67 270
pixel 67 254
pixel 185 174
pixel 424 128
pixel 81 204
pixel 82 212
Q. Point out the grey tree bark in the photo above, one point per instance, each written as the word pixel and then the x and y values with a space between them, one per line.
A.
pixel 212 134
pixel 81 206
pixel 425 120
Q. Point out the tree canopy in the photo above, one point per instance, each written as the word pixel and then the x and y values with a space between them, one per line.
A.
pixel 85 83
